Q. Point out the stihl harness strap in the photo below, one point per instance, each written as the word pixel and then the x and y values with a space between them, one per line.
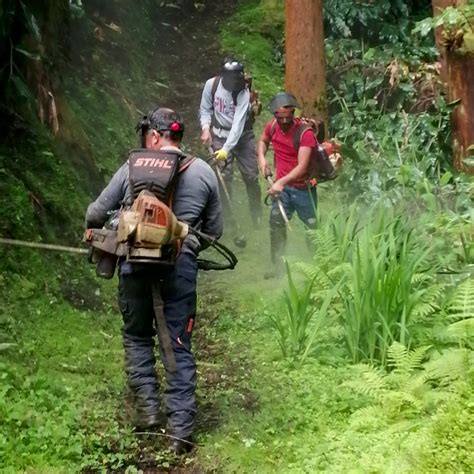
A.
pixel 165 338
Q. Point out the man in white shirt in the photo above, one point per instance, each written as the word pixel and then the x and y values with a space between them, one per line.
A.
pixel 227 124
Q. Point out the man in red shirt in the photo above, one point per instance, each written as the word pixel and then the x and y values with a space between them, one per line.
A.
pixel 291 185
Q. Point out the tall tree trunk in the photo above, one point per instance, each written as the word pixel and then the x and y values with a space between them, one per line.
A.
pixel 305 74
pixel 461 86
pixel 457 70
pixel 438 7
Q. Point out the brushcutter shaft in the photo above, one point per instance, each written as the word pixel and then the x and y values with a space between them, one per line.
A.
pixel 38 245
pixel 280 205
pixel 239 241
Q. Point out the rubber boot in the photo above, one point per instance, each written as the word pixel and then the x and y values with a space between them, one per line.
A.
pixel 277 248
pixel 181 446
pixel 142 380
pixel 254 195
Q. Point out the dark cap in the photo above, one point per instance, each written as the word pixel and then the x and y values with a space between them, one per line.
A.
pixel 232 65
pixel 283 99
pixel 162 120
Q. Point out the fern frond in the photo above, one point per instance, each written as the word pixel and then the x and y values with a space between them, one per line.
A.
pixel 397 354
pixel 419 278
pixel 417 384
pixel 325 245
pixel 423 310
pixel 453 364
pixel 459 330
pixel 429 302
pixel 372 383
pixel 461 304
pixel 415 358
pixel 308 269
pixel 337 272
pixel 370 417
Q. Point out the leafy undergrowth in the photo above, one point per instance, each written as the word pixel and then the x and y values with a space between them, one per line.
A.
pixel 323 414
pixel 64 405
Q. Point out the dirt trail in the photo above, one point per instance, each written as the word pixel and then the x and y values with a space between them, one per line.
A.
pixel 189 54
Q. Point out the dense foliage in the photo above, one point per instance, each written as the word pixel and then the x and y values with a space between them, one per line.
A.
pixel 365 362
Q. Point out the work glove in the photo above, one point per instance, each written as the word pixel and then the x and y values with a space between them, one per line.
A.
pixel 221 155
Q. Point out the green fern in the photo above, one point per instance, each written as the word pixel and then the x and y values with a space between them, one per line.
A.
pixel 459 309
pixel 403 361
pixel 412 387
pixel 451 365
pixel 372 382
pixel 429 302
pixel 461 304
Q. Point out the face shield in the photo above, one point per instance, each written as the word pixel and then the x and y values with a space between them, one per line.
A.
pixel 233 78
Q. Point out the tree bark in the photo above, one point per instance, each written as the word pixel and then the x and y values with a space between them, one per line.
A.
pixel 305 74
pixel 458 72
pixel 460 86
pixel 438 7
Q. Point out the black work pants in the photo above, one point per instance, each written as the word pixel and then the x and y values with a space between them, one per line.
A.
pixel 177 288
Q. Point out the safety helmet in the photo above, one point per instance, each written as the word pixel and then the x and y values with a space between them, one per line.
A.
pixel 233 76
pixel 283 101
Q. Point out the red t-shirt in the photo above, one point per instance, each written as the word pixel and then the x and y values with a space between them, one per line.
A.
pixel 286 157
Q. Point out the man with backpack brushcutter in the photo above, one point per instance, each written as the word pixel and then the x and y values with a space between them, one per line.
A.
pixel 227 113
pixel 157 276
pixel 292 190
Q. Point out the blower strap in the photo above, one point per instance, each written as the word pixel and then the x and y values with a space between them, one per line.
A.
pixel 165 338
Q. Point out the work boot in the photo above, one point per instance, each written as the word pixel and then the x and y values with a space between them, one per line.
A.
pixel 142 380
pixel 269 275
pixel 254 196
pixel 275 271
pixel 277 241
pixel 148 422
pixel 180 446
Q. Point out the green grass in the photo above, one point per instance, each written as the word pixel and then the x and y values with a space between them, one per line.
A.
pixel 63 403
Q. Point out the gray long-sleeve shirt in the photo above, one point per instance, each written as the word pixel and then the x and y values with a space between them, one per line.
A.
pixel 195 200
pixel 230 116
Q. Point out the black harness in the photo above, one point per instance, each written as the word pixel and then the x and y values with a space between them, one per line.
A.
pixel 158 171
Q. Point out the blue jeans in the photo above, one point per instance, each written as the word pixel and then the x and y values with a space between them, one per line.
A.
pixel 303 202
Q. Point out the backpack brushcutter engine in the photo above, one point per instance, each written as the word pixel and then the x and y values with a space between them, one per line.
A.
pixel 148 232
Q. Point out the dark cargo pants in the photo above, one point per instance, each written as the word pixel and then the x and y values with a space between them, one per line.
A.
pixel 178 292
pixel 245 153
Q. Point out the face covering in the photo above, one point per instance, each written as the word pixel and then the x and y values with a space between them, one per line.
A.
pixel 233 81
